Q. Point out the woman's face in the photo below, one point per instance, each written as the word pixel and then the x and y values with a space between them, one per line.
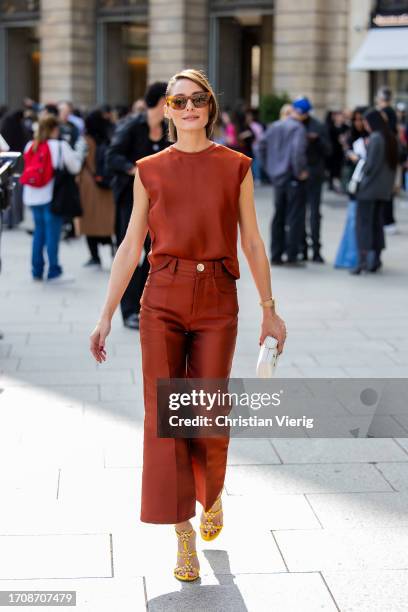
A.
pixel 367 126
pixel 189 118
pixel 358 122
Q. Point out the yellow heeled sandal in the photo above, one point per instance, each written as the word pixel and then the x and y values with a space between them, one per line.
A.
pixel 207 525
pixel 181 572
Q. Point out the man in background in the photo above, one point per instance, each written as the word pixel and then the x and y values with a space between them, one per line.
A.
pixel 282 154
pixel 318 148
pixel 142 135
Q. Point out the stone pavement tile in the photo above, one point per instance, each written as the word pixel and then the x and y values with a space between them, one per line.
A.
pixel 249 371
pixel 92 594
pixel 128 392
pixel 9 364
pixel 124 449
pixel 387 331
pixel 396 474
pixel 35 327
pixel 73 377
pixel 317 478
pixel 361 358
pixel 323 372
pixel 54 363
pixel 403 442
pixel 129 411
pixel 272 511
pixel 12 315
pixel 241 593
pixel 15 339
pixel 328 334
pixel 77 339
pixel 400 357
pixel 32 395
pixel 251 451
pixel 369 591
pixel 5 350
pixel 361 510
pixel 338 450
pixel 393 371
pixel 55 351
pixel 343 549
pixel 20 484
pixel 232 552
pixel 55 556
pixel 319 344
pixel 100 487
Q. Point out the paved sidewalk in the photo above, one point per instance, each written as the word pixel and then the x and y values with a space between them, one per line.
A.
pixel 310 524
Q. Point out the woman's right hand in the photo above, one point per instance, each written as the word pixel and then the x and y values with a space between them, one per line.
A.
pixel 97 339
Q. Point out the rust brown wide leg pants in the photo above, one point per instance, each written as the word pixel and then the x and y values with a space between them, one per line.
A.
pixel 188 328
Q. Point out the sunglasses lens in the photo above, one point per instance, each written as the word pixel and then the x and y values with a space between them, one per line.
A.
pixel 200 100
pixel 179 103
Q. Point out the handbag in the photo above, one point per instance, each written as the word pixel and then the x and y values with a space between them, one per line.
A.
pixel 65 200
pixel 268 358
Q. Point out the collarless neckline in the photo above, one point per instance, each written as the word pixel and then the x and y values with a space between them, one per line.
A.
pixel 209 148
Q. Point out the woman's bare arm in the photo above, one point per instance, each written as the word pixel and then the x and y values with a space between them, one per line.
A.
pixel 126 259
pixel 253 248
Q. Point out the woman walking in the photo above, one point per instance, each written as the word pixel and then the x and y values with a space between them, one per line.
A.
pixel 191 196
pixel 42 155
pixel 355 152
pixel 375 189
pixel 97 222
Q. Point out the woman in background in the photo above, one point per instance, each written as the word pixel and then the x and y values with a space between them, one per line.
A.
pixel 355 150
pixel 376 187
pixel 98 220
pixel 47 225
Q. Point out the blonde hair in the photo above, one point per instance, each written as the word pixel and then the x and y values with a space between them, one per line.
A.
pixel 285 111
pixel 46 125
pixel 199 77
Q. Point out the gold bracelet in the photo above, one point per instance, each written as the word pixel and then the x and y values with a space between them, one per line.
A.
pixel 268 303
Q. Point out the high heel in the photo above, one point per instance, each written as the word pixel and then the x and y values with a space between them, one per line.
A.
pixel 208 525
pixel 181 572
pixel 361 265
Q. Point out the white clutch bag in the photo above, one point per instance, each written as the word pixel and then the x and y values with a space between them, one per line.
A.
pixel 268 358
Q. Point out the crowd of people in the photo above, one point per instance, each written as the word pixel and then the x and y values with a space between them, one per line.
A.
pixel 362 153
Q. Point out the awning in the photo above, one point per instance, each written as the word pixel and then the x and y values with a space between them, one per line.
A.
pixel 382 49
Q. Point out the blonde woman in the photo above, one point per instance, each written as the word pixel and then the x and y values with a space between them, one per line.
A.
pixel 191 196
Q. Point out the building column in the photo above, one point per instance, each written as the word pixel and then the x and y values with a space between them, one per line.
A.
pixel 358 82
pixel 310 50
pixel 68 51
pixel 178 37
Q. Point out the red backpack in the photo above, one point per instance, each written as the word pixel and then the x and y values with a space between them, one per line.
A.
pixel 38 168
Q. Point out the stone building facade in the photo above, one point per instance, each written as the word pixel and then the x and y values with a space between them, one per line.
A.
pixel 96 51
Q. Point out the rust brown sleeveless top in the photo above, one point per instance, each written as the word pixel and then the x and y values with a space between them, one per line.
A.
pixel 194 204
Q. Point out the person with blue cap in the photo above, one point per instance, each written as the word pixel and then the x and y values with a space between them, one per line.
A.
pixel 318 149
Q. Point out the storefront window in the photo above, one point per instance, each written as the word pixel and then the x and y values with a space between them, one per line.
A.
pixel 397 80
pixel 17 8
pixel 392 6
pixel 119 6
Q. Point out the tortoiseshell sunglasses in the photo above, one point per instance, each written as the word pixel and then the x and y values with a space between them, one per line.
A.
pixel 179 101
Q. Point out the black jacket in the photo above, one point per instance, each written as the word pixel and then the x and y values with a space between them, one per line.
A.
pixel 319 148
pixel 130 142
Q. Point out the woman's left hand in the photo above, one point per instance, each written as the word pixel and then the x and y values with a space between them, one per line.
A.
pixel 273 325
